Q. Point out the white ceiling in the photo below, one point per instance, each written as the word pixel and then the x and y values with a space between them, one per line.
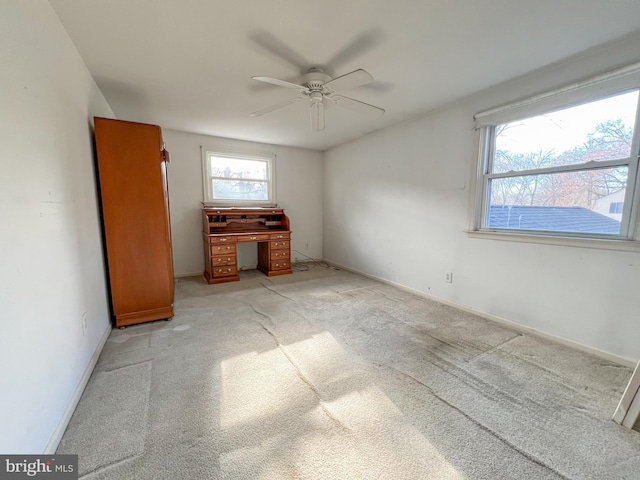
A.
pixel 187 64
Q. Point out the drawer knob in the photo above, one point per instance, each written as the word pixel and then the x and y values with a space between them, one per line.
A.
pixel 253 238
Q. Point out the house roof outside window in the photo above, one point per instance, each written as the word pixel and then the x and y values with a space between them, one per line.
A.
pixel 550 218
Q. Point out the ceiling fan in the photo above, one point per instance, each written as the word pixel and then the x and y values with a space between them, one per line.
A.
pixel 317 86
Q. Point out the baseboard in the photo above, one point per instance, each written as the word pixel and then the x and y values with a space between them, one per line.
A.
pixel 185 275
pixel 75 398
pixel 611 357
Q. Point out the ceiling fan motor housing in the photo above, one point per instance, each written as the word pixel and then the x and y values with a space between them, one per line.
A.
pixel 315 79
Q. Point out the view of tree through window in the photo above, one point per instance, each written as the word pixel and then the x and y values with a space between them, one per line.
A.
pixel 561 171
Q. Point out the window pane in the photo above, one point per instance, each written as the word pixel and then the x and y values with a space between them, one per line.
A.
pixel 238 168
pixel 596 131
pixel 615 207
pixel 565 202
pixel 239 190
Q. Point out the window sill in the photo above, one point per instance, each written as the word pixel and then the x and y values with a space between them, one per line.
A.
pixel 598 243
pixel 238 204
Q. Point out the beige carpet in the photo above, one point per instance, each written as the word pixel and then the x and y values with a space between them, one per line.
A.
pixel 326 374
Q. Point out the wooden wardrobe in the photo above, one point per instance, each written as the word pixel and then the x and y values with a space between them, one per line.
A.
pixel 135 216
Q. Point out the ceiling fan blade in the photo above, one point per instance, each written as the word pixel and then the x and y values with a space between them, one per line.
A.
pixel 350 80
pixel 358 106
pixel 275 107
pixel 359 45
pixel 317 116
pixel 280 83
pixel 273 45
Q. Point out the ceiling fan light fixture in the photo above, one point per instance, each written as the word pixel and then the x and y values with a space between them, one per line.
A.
pixel 317 116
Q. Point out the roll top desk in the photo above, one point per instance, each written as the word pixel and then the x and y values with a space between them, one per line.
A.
pixel 224 228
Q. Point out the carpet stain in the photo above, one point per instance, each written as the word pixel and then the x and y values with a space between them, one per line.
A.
pixel 613 365
pixel 461 346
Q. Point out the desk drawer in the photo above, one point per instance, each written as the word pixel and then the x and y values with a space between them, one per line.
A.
pixel 280 255
pixel 222 239
pixel 280 236
pixel 223 249
pixel 225 271
pixel 280 265
pixel 282 245
pixel 253 238
pixel 221 260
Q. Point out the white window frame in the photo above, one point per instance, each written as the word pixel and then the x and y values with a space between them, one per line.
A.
pixel 612 83
pixel 268 157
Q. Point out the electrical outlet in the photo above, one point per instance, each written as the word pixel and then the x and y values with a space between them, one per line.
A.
pixel 448 277
pixel 85 327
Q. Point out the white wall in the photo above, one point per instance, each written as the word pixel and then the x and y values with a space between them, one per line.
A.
pixel 299 192
pixel 50 244
pixel 396 207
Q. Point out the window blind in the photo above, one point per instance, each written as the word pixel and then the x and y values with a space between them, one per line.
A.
pixel 606 84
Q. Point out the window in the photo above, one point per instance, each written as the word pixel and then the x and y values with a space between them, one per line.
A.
pixel 238 178
pixel 616 207
pixel 567 171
